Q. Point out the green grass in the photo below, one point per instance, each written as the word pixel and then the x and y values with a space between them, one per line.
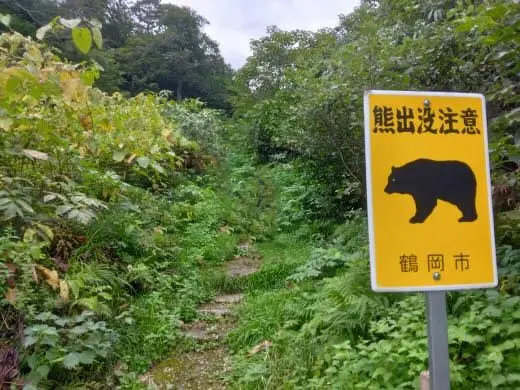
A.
pixel 269 301
pixel 280 258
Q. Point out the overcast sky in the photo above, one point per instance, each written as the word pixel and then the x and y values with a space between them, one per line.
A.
pixel 233 23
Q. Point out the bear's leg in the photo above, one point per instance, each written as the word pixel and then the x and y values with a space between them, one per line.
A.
pixel 424 208
pixel 469 213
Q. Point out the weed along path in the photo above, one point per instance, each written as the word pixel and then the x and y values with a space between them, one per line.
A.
pixel 205 363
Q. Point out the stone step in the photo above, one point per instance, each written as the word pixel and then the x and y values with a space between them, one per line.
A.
pixel 230 298
pixel 198 330
pixel 203 331
pixel 220 311
pixel 242 266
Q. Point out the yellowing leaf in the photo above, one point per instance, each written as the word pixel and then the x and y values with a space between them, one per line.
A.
pixel 264 345
pixel 82 38
pixel 34 54
pixel 64 290
pixel 28 235
pixel 40 33
pixel 69 74
pixel 50 276
pixel 6 124
pixel 74 90
pixel 10 295
pixel 86 122
pixel 45 230
pixel 167 134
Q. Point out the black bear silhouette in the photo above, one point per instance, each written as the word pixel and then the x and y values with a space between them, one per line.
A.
pixel 428 181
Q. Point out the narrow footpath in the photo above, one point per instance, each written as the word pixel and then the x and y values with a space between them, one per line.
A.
pixel 205 365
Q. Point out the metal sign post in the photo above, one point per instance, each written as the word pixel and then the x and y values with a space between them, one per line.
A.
pixel 439 360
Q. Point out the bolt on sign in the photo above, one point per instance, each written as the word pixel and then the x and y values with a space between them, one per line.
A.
pixel 429 192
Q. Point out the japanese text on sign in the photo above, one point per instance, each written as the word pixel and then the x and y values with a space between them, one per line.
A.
pixel 434 262
pixel 422 120
pixel 428 191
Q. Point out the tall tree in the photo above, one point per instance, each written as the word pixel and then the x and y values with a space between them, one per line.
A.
pixel 169 51
pixel 146 15
pixel 147 45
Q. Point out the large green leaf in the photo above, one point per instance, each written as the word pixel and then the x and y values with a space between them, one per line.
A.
pixel 5 19
pixel 87 357
pixel 98 39
pixel 158 168
pixel 71 360
pixel 119 155
pixel 43 370
pixel 82 39
pixel 143 162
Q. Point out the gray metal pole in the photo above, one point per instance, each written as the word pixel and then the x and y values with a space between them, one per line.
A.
pixel 439 361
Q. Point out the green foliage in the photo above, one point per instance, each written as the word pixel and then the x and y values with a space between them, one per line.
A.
pixel 300 94
pixel 509 269
pixel 105 208
pixel 305 319
pixel 484 342
pixel 391 358
pixel 331 331
pixel 347 244
pixel 280 258
pixel 81 36
pixel 483 350
pixel 298 106
pixel 146 46
pixel 118 213
pixel 94 286
pixel 205 126
pixel 148 330
pixel 52 343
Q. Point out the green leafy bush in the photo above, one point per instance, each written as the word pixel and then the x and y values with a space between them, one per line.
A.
pixel 53 342
pixel 148 329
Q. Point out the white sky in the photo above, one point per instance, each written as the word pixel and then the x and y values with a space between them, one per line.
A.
pixel 233 23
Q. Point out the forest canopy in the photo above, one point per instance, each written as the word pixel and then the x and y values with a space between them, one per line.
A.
pixel 147 45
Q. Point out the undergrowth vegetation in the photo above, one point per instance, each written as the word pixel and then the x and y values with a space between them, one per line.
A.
pixel 117 213
pixel 110 215
pixel 329 330
pixel 326 328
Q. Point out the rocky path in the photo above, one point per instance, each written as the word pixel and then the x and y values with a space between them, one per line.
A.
pixel 205 365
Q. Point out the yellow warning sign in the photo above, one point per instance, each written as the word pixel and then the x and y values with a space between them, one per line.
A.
pixel 428 190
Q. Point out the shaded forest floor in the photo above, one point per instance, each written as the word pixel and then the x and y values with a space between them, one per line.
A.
pixel 206 362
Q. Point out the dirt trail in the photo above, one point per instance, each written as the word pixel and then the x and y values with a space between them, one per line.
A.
pixel 204 367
